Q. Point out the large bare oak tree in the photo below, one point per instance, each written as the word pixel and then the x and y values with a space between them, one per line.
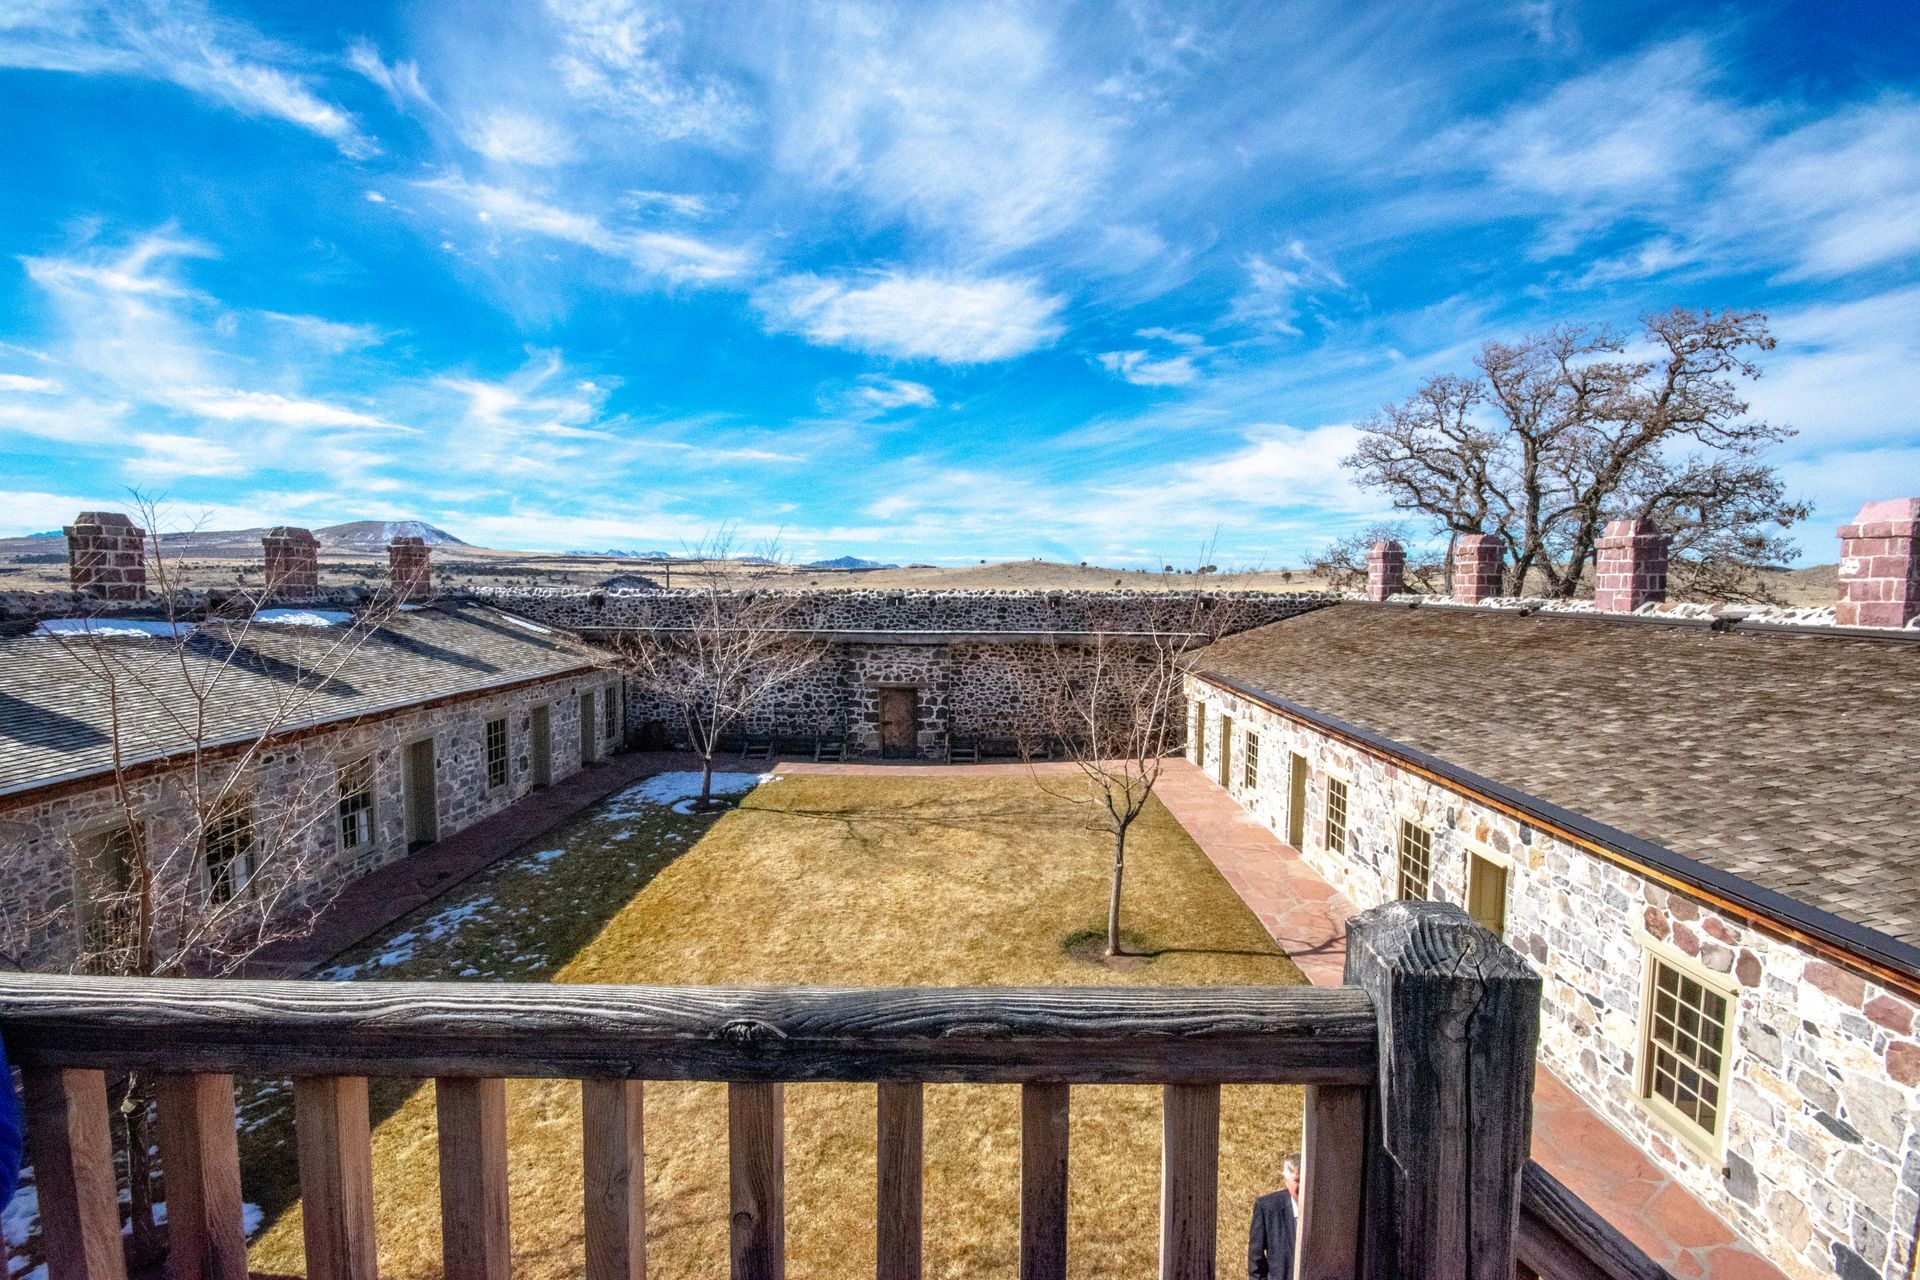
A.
pixel 1561 432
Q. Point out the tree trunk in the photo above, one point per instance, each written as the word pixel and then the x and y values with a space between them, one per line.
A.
pixel 143 1244
pixel 706 777
pixel 1113 900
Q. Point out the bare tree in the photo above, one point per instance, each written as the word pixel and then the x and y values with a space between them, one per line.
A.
pixel 1112 702
pixel 1561 432
pixel 1342 563
pixel 212 855
pixel 736 646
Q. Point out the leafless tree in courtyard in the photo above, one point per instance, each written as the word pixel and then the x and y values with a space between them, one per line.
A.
pixel 1342 563
pixel 215 854
pixel 1561 432
pixel 1113 704
pixel 736 646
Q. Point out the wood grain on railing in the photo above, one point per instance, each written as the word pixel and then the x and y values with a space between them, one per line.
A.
pixel 1562 1238
pixel 200 1157
pixel 73 1174
pixel 1333 1150
pixel 757 1175
pixel 1189 1180
pixel 474 1230
pixel 334 1136
pixel 1043 1181
pixel 613 1161
pixel 1091 1035
pixel 900 1121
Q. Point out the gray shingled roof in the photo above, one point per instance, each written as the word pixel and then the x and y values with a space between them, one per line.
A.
pixel 56 709
pixel 1786 759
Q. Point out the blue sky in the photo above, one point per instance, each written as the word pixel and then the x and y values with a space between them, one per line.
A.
pixel 926 282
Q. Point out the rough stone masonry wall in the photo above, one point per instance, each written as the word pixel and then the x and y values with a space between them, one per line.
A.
pixel 38 836
pixel 1821 1159
pixel 938 643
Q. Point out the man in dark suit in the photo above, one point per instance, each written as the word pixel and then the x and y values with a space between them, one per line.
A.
pixel 1275 1223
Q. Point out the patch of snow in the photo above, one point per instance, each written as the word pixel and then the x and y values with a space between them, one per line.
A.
pixel 304 617
pixel 403 946
pixel 548 855
pixel 524 624
pixel 110 627
pixel 670 788
pixel 17 1220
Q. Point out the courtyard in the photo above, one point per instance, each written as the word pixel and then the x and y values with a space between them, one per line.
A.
pixel 883 879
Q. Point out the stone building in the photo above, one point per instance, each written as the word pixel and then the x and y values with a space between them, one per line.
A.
pixel 354 738
pixel 1701 831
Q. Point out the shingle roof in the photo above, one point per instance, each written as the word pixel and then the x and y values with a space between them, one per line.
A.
pixel 56 713
pixel 1785 759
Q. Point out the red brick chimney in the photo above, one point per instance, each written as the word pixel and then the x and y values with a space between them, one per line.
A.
pixel 1880 565
pixel 1629 566
pixel 106 555
pixel 410 564
pixel 293 563
pixel 1476 568
pixel 1386 569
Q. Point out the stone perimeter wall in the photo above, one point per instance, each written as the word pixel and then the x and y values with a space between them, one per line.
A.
pixel 38 837
pixel 937 643
pixel 1820 1159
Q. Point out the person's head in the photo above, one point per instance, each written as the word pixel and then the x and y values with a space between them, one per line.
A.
pixel 1290 1173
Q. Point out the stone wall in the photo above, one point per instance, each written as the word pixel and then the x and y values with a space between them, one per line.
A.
pixel 299 780
pixel 1819 1159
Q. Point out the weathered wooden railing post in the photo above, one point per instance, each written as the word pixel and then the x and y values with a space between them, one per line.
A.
pixel 1459 1016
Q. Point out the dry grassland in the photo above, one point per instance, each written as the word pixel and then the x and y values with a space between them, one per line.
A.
pixel 874 881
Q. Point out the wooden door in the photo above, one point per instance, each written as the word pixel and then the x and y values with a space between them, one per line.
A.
pixel 899 708
pixel 586 727
pixel 542 747
pixel 1487 893
pixel 423 798
pixel 1297 801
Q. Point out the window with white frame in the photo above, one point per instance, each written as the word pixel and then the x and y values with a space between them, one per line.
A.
pixel 497 753
pixel 356 804
pixel 1335 830
pixel 1416 861
pixel 1684 1041
pixel 227 849
pixel 1250 762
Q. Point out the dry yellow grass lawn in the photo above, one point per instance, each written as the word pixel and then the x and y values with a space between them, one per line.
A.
pixel 875 881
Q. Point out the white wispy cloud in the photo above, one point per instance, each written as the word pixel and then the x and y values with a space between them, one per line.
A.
pixel 330 336
pixel 163 456
pixel 514 137
pixel 1172 362
pixel 952 319
pixel 670 256
pixel 230 404
pixel 959 119
pixel 620 58
pixel 183 42
pixel 400 81
pixel 23 382
pixel 1280 284
pixel 876 394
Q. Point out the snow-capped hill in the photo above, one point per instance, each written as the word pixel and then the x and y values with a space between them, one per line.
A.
pixel 374 535
pixel 850 562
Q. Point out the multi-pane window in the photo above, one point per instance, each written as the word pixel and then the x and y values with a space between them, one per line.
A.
pixel 1416 861
pixel 228 850
pixel 356 804
pixel 610 713
pixel 1336 824
pixel 105 902
pixel 1684 1046
pixel 497 753
pixel 1250 763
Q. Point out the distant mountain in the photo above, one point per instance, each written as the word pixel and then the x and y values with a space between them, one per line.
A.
pixel 374 535
pixel 611 553
pixel 850 562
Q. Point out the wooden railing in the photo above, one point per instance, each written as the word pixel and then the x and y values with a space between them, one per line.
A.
pixel 1418 1102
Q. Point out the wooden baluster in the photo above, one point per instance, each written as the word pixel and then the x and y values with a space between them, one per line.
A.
pixel 74 1174
pixel 473 1177
pixel 1189 1180
pixel 897 1223
pixel 756 1157
pixel 335 1140
pixel 1459 1016
pixel 200 1160
pixel 1043 1181
pixel 1333 1161
pixel 615 1166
